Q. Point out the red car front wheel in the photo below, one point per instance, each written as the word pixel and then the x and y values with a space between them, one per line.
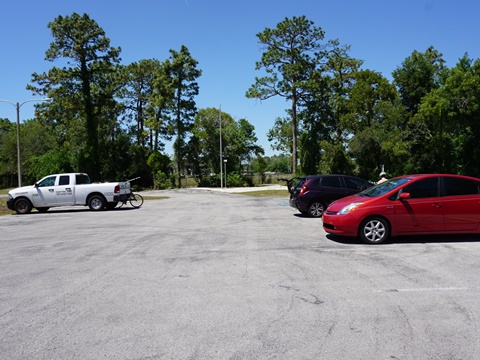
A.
pixel 374 230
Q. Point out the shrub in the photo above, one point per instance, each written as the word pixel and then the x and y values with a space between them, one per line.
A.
pixel 162 181
pixel 236 180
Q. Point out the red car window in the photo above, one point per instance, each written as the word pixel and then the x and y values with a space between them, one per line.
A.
pixel 459 186
pixel 425 188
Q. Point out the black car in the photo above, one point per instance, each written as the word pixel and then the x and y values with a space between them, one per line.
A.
pixel 312 194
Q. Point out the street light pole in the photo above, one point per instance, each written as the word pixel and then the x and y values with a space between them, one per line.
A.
pixel 225 163
pixel 221 147
pixel 17 106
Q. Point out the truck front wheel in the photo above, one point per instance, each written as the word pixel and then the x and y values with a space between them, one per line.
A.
pixel 23 206
pixel 96 202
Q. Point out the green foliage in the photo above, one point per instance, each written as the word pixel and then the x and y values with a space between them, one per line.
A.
pixel 420 73
pixel 8 152
pixel 159 162
pixel 204 146
pixel 293 52
pixel 238 143
pixel 335 160
pixel 209 181
pixel 159 107
pixel 112 120
pixel 374 117
pixel 183 71
pixel 83 88
pixel 260 167
pixel 280 164
pixel 276 163
pixel 54 161
pixel 448 123
pixel 280 136
pixel 236 180
pixel 245 142
pixel 38 149
pixel 138 79
pixel 162 181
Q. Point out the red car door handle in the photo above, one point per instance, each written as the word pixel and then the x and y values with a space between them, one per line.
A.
pixel 436 205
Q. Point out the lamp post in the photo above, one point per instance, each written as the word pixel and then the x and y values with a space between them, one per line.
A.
pixel 17 106
pixel 221 147
pixel 225 164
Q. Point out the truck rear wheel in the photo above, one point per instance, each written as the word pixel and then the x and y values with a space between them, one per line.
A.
pixel 23 206
pixel 96 202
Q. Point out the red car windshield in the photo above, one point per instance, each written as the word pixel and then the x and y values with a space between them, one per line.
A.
pixel 383 188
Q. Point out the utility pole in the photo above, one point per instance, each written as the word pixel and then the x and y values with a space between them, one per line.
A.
pixel 221 155
pixel 17 107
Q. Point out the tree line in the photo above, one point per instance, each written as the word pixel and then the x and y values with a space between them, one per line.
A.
pixel 112 120
pixel 344 119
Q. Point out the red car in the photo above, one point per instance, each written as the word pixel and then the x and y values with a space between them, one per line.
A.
pixel 407 205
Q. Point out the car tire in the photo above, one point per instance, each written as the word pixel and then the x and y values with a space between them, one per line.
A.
pixel 42 209
pixel 23 206
pixel 96 203
pixel 316 209
pixel 374 230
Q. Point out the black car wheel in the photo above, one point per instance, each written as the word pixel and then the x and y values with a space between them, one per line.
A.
pixel 316 209
pixel 374 230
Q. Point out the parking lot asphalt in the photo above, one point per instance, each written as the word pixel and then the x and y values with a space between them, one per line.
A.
pixel 214 275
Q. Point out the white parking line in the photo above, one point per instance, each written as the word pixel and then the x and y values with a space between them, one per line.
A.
pixel 470 288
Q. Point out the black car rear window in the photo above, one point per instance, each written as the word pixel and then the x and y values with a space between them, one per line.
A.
pixel 356 184
pixel 331 181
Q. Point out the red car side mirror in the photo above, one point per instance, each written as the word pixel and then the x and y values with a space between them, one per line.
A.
pixel 404 196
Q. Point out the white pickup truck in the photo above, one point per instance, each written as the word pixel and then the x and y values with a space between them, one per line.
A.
pixel 67 190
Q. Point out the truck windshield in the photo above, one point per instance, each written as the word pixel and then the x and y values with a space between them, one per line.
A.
pixel 49 181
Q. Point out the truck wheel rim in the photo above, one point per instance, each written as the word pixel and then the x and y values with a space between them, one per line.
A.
pixel 96 203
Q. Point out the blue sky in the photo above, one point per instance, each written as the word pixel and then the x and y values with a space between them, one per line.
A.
pixel 221 35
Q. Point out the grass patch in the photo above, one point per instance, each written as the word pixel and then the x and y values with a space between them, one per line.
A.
pixel 267 193
pixel 148 197
pixel 3 207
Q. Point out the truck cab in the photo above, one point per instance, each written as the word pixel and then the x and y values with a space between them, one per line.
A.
pixel 57 190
